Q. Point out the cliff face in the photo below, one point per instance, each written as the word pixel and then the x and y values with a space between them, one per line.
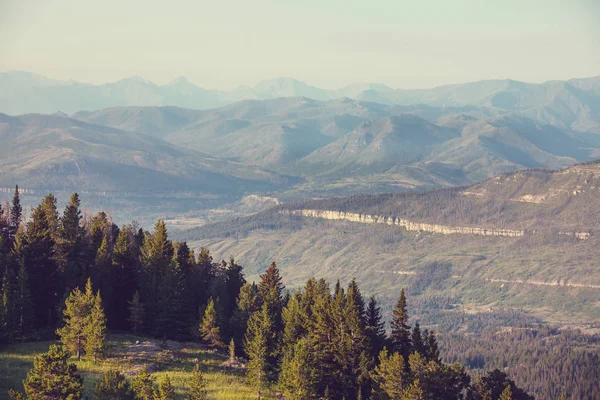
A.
pixel 419 226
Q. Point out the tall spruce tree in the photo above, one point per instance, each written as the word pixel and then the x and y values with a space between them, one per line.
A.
pixel 156 255
pixel 71 251
pixel 299 372
pixel 247 304
pixel 374 329
pixel 390 376
pixel 270 291
pixel 400 335
pixel 52 377
pixel 209 328
pixel 8 318
pixel 95 331
pixel 15 215
pixel 51 214
pixel 431 346
pixel 124 276
pixel 259 335
pixel 136 313
pixel 78 308
pixel 416 338
pixel 23 302
pixel 36 249
pixel 294 327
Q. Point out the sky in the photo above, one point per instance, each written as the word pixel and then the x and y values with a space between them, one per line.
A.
pixel 327 43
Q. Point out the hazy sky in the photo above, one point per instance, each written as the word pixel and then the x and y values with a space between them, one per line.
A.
pixel 328 43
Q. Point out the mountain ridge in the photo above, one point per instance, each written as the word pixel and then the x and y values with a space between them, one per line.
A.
pixel 574 100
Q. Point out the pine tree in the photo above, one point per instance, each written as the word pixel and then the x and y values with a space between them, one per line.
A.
pixel 270 290
pixel 233 280
pixel 8 312
pixel 247 304
pixel 52 377
pixel 95 331
pixel 143 385
pixel 258 336
pixel 400 335
pixel 294 324
pixel 23 302
pixel 136 313
pixel 374 329
pixel 299 372
pixel 197 388
pixel 432 350
pixel 417 341
pixel 15 215
pixel 390 376
pixel 36 248
pixel 51 214
pixel 78 308
pixel 124 276
pixel 166 391
pixel 156 256
pixel 70 247
pixel 209 327
pixel 113 386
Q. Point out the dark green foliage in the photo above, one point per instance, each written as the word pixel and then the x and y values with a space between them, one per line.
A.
pixel 124 277
pixel 52 377
pixel 15 215
pixel 493 384
pixel 136 313
pixel 400 335
pixel 299 372
pixel 113 386
pixel 37 250
pixel 258 346
pixel 270 291
pixel 71 249
pixel 416 338
pixel 374 328
pixel 247 304
pixel 156 258
pixel 209 328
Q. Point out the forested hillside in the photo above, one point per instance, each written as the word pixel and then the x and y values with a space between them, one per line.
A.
pixel 86 276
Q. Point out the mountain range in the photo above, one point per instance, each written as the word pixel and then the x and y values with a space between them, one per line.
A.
pixel 285 138
pixel 346 146
pixel 55 152
pixel 572 104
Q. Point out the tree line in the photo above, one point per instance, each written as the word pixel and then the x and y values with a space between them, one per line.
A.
pixel 317 342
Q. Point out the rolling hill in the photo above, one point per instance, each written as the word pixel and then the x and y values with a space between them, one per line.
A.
pixel 522 241
pixel 56 152
pixel 345 146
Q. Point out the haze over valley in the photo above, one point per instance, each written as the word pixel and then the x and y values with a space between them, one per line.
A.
pixel 339 200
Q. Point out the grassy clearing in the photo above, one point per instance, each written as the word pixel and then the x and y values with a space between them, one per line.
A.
pixel 172 358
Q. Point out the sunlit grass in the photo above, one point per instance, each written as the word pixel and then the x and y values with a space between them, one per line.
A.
pixel 222 382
